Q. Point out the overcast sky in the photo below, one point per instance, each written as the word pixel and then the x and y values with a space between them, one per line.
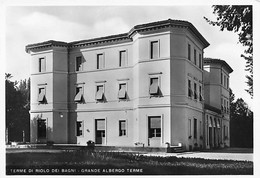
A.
pixel 26 25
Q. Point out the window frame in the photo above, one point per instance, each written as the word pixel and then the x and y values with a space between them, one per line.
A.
pixel 195 91
pixel 195 56
pixel 80 67
pixel 103 96
pixel 122 134
pixel 44 95
pixel 151 49
pixel 190 91
pixel 46 126
pixel 200 61
pixel 126 58
pixel 195 128
pixel 126 93
pixel 40 64
pixel 189 52
pixel 152 132
pixel 82 130
pixel 103 61
pixel 76 93
pixel 151 76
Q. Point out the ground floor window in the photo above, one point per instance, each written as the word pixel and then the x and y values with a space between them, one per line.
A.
pixel 41 128
pixel 100 131
pixel 79 129
pixel 154 126
pixel 122 128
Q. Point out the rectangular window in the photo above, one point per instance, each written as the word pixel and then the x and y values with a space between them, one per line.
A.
pixel 79 63
pixel 100 131
pixel 195 128
pixel 41 130
pixel 122 128
pixel 41 95
pixel 200 128
pixel 189 51
pixel 122 91
pixel 154 86
pixel 100 61
pixel 79 94
pixel 189 128
pixel 222 105
pixel 200 94
pixel 100 93
pixel 154 125
pixel 200 61
pixel 227 82
pixel 42 65
pixel 224 80
pixel 154 49
pixel 190 92
pixel 195 57
pixel 122 58
pixel 79 128
pixel 221 79
pixel 195 91
pixel 225 109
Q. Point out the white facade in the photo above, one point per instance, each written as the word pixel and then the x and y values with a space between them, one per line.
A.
pixel 144 87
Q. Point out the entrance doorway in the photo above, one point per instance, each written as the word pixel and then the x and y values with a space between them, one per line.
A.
pixel 41 130
pixel 100 131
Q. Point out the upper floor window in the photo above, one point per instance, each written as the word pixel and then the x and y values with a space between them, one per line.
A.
pixel 200 61
pixel 122 58
pixel 195 91
pixel 221 78
pixel 195 57
pixel 154 86
pixel 224 80
pixel 42 64
pixel 79 63
pixel 154 49
pixel 122 91
pixel 190 92
pixel 189 52
pixel 41 95
pixel 122 128
pixel 100 93
pixel 79 94
pixel 200 94
pixel 100 61
pixel 79 128
pixel 227 82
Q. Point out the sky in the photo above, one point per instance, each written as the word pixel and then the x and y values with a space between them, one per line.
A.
pixel 33 24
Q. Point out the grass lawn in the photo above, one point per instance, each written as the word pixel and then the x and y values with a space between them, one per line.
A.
pixel 112 163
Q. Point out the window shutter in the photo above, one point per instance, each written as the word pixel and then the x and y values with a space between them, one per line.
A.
pixel 154 86
pixel 122 91
pixel 79 95
pixel 41 95
pixel 155 122
pixel 100 93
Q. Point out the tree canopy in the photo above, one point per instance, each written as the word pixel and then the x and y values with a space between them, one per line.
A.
pixel 239 20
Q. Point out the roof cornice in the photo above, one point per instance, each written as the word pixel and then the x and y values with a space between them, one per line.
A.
pixel 218 61
pixel 125 37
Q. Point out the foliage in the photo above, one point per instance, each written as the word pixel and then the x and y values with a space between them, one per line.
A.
pixel 84 159
pixel 241 123
pixel 17 108
pixel 239 20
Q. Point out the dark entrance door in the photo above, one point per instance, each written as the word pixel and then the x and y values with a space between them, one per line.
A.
pixel 210 137
pixel 100 131
pixel 41 128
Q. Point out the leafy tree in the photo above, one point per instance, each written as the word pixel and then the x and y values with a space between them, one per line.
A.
pixel 17 108
pixel 239 20
pixel 241 123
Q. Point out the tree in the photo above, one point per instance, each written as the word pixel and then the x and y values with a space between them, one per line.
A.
pixel 241 123
pixel 17 108
pixel 239 20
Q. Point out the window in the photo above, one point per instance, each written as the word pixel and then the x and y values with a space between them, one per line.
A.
pixel 122 128
pixel 41 95
pixel 100 93
pixel 227 82
pixel 225 109
pixel 79 63
pixel 221 78
pixel 195 91
pixel 154 49
pixel 195 128
pixel 41 128
pixel 200 129
pixel 154 127
pixel 224 80
pixel 154 86
pixel 189 51
pixel 200 94
pixel 189 128
pixel 42 65
pixel 195 57
pixel 190 92
pixel 100 131
pixel 100 61
pixel 222 106
pixel 122 91
pixel 200 61
pixel 122 58
pixel 79 128
pixel 79 94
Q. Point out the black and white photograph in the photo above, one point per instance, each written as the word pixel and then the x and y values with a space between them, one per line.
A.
pixel 131 90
